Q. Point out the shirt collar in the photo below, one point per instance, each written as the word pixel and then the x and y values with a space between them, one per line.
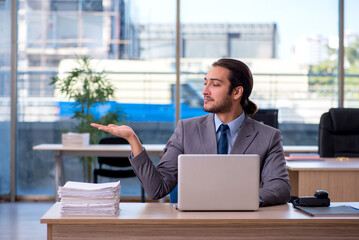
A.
pixel 234 126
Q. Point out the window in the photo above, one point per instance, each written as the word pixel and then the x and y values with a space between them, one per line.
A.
pixel 5 95
pixel 291 47
pixel 116 34
pixel 351 57
pixel 283 52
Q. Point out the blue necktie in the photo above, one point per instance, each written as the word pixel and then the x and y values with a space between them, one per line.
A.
pixel 222 145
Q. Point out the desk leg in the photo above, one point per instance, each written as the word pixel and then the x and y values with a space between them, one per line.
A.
pixel 49 231
pixel 62 172
pixel 58 162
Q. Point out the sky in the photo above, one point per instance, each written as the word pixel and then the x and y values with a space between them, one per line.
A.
pixel 294 18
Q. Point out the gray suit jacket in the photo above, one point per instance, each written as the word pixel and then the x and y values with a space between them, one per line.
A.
pixel 198 136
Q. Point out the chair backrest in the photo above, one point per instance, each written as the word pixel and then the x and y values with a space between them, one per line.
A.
pixel 114 161
pixel 267 116
pixel 339 133
pixel 174 195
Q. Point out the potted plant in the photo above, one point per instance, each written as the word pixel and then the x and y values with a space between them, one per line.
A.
pixel 88 88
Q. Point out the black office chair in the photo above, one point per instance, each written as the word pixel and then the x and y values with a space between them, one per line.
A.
pixel 122 163
pixel 339 133
pixel 267 116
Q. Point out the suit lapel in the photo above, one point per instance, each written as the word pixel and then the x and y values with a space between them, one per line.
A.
pixel 246 135
pixel 208 135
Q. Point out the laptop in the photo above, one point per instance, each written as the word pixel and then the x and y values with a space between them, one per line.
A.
pixel 217 182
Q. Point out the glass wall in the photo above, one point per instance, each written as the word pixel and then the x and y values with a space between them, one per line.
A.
pixel 351 57
pixel 118 37
pixel 284 51
pixel 291 47
pixel 5 95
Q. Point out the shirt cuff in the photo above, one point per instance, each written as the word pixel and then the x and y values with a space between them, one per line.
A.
pixel 131 154
pixel 260 201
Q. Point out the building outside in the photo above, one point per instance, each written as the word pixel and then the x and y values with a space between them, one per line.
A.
pixel 314 49
pixel 50 31
pixel 208 40
pixel 311 50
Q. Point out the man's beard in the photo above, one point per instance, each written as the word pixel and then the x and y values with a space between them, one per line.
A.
pixel 221 107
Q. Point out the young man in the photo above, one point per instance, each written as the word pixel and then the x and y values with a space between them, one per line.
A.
pixel 228 129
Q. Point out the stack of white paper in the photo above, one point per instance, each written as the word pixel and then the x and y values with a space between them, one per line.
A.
pixel 75 139
pixel 78 198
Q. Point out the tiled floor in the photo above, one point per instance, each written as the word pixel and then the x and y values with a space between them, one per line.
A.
pixel 21 220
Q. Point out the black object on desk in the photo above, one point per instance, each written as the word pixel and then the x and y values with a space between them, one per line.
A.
pixel 334 210
pixel 319 204
pixel 320 199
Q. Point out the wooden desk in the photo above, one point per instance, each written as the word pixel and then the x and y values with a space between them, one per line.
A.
pixel 97 150
pixel 162 221
pixel 299 149
pixel 123 150
pixel 339 178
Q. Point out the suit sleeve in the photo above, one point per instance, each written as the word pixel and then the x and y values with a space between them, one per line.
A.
pixel 161 180
pixel 275 188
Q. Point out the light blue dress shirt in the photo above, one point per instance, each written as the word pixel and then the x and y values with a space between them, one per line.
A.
pixel 233 130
